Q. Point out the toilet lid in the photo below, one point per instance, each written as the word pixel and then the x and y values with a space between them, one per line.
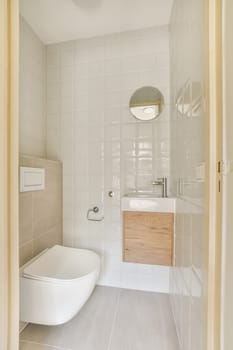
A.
pixel 62 264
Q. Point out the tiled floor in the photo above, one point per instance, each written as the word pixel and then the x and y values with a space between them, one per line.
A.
pixel 112 319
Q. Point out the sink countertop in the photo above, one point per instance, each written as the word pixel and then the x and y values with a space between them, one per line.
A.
pixel 147 202
pixel 141 195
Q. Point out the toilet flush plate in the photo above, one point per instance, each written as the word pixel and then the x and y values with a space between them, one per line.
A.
pixel 148 204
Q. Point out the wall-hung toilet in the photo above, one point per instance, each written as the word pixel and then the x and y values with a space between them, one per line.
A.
pixel 55 285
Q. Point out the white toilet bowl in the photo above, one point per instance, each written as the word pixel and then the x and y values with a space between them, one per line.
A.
pixel 55 285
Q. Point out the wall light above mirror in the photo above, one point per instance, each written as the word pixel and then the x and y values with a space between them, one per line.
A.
pixel 146 103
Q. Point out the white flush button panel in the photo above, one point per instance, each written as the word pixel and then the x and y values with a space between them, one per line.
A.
pixel 32 179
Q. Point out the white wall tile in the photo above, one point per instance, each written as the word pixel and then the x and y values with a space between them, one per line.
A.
pixel 102 146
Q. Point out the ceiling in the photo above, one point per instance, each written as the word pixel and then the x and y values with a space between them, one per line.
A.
pixel 63 20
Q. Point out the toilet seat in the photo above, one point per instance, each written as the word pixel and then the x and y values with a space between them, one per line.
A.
pixel 61 265
pixel 56 284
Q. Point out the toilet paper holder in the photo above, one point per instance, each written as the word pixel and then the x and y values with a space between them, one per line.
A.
pixel 94 210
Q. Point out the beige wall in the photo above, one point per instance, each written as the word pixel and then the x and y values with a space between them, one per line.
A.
pixel 187 156
pixel 40 212
pixel 32 89
pixel 227 311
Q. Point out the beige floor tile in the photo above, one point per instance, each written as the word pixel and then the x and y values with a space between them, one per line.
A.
pixel 89 330
pixel 143 322
pixel 33 346
pixel 113 319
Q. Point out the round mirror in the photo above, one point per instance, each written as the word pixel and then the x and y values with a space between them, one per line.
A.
pixel 146 103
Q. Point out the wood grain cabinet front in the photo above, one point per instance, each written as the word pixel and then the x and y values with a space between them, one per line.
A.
pixel 148 237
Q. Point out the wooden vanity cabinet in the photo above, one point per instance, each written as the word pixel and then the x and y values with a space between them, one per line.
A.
pixel 148 237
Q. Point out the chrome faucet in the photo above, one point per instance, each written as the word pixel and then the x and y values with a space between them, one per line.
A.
pixel 161 181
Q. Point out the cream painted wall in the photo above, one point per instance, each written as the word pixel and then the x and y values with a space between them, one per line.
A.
pixel 187 156
pixel 227 283
pixel 102 146
pixel 32 89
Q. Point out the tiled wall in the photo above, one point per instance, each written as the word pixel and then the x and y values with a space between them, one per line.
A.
pixel 187 158
pixel 32 89
pixel 40 212
pixel 102 147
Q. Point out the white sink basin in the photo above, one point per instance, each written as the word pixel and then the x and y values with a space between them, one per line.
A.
pixel 140 195
pixel 148 203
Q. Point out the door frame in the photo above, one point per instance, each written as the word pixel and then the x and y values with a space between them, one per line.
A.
pixel 213 137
